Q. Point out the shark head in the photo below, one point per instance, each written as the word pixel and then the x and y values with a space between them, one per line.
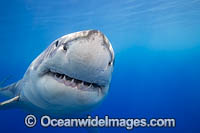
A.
pixel 73 74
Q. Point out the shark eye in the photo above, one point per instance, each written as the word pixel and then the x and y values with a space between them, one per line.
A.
pixel 65 47
pixel 110 63
pixel 56 43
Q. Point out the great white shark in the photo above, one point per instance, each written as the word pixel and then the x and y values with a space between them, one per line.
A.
pixel 72 75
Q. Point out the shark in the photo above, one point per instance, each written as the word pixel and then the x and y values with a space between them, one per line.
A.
pixel 71 75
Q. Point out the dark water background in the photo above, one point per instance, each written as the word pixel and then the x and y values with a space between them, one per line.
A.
pixel 157 47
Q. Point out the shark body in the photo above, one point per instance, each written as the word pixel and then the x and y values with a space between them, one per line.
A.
pixel 72 75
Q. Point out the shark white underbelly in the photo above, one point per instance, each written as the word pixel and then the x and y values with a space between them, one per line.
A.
pixel 72 75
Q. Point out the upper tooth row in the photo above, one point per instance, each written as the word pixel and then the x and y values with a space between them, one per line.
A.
pixel 61 76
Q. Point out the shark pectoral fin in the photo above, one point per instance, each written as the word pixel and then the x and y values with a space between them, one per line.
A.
pixel 10 92
pixel 7 102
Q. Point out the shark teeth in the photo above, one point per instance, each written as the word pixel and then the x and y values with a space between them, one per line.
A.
pixel 69 81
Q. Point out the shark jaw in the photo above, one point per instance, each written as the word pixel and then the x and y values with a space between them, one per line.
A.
pixel 75 83
pixel 72 75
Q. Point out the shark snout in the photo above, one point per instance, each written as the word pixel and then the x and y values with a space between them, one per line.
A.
pixel 89 55
pixel 94 38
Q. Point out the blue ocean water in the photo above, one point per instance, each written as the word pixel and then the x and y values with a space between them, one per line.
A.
pixel 157 48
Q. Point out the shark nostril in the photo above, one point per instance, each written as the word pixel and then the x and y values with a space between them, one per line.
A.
pixel 65 47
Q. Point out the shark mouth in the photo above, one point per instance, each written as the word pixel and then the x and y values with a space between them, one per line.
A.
pixel 75 83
